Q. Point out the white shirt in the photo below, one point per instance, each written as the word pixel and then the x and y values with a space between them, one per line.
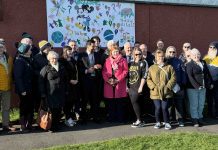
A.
pixel 91 58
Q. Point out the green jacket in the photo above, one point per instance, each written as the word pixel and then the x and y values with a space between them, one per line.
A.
pixel 160 83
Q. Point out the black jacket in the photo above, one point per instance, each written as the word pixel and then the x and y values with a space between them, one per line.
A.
pixel 83 64
pixel 53 85
pixel 39 61
pixel 23 74
pixel 197 77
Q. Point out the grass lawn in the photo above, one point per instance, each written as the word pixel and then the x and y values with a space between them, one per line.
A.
pixel 14 115
pixel 187 141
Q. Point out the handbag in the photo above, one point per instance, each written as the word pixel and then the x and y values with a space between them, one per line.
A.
pixel 44 119
pixel 176 87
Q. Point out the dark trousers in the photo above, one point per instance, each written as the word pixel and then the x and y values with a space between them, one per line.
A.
pixel 56 117
pixel 145 102
pixel 90 91
pixel 116 109
pixel 26 110
pixel 161 104
pixel 212 100
pixel 176 106
pixel 72 102
pixel 134 97
pixel 36 94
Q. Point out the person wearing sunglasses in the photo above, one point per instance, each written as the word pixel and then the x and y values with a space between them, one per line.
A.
pixel 177 102
pixel 138 69
pixel 186 46
pixel 212 62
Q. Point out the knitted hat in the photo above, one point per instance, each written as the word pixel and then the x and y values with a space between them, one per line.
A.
pixel 26 35
pixel 215 44
pixel 44 44
pixel 23 48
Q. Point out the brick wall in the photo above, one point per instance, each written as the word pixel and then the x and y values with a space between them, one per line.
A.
pixel 174 24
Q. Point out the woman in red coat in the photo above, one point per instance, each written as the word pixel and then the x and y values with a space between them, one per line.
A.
pixel 114 74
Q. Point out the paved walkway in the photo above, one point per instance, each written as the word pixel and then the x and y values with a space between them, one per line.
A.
pixel 89 133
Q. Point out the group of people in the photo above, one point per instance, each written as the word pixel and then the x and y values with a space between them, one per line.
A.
pixel 76 81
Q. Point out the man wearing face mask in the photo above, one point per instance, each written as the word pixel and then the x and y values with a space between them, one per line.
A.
pixel 23 74
pixel 34 49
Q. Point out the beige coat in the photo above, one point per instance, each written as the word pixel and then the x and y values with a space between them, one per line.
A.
pixel 159 83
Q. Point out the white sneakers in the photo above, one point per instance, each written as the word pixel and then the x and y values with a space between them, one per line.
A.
pixel 70 122
pixel 158 126
pixel 138 124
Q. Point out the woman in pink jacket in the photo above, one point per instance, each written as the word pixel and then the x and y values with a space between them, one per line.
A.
pixel 114 73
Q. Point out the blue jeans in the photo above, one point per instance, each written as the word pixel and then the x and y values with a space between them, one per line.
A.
pixel 161 105
pixel 196 102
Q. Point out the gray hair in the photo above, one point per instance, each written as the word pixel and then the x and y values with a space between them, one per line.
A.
pixel 110 43
pixel 126 44
pixel 167 50
pixel 52 53
pixel 195 51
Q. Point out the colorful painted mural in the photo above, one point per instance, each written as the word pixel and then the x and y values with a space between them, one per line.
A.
pixel 81 19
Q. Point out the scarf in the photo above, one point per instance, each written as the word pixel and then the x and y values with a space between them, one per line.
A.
pixel 114 62
pixel 56 66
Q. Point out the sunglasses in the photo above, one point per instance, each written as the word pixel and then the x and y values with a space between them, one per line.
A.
pixel 186 46
pixel 212 47
pixel 138 54
pixel 172 52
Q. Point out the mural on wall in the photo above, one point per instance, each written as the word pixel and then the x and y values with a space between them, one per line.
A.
pixel 79 20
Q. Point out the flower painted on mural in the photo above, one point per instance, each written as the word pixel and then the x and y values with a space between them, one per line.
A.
pixel 57 37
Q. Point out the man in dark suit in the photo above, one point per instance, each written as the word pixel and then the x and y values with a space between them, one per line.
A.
pixel 90 70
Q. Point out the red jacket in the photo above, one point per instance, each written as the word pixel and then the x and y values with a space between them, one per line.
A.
pixel 120 74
